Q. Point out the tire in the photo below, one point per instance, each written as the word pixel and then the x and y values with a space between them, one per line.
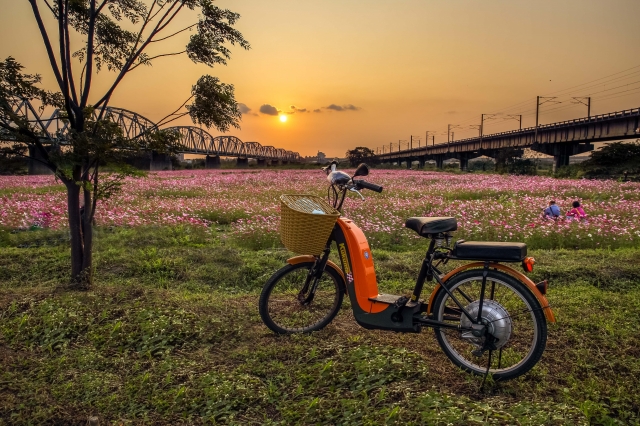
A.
pixel 512 311
pixel 281 309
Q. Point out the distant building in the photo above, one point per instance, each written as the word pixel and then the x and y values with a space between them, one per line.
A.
pixel 319 158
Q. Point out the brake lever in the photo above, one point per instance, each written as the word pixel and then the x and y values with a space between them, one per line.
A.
pixel 357 192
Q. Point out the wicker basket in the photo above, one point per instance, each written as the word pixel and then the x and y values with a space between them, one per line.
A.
pixel 302 231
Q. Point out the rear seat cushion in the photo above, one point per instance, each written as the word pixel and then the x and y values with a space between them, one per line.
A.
pixel 482 250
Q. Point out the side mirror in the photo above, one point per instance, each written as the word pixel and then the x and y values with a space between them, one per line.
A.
pixel 362 170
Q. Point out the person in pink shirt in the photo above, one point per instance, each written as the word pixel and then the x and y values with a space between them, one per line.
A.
pixel 577 212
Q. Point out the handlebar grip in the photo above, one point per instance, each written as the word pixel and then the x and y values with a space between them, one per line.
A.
pixel 368 185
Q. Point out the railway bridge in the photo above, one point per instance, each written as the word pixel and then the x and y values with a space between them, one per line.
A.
pixel 561 140
pixel 192 140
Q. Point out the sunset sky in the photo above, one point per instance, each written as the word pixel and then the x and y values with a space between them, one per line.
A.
pixel 369 72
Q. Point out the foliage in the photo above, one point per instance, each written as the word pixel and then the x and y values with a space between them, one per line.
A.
pixel 510 160
pixel 214 104
pixel 115 34
pixel 614 159
pixel 360 154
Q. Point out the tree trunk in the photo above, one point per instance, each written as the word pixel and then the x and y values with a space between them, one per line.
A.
pixel 80 274
pixel 87 235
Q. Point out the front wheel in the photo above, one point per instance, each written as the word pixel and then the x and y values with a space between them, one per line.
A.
pixel 292 301
pixel 513 319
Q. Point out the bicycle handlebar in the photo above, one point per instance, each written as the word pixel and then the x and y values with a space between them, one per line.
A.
pixel 367 185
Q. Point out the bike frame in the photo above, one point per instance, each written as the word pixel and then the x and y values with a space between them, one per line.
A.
pixel 373 310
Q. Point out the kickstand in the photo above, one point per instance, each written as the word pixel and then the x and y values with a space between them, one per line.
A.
pixel 486 373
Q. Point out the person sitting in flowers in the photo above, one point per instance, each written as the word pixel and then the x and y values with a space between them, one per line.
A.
pixel 577 212
pixel 551 212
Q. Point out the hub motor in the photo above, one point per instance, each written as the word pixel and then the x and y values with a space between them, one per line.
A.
pixel 494 317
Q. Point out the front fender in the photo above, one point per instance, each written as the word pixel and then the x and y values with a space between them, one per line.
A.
pixel 544 303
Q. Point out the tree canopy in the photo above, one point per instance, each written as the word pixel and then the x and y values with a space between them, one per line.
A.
pixel 360 154
pixel 616 158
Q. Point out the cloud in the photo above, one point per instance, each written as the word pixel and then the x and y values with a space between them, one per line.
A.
pixel 269 110
pixel 294 110
pixel 243 108
pixel 317 110
pixel 335 107
pixel 452 112
pixel 340 108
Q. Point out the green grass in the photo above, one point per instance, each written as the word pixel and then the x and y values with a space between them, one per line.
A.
pixel 170 334
pixel 40 190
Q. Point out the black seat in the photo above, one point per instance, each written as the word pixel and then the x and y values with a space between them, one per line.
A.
pixel 483 250
pixel 426 226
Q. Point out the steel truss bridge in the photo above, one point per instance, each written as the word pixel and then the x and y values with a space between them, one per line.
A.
pixel 192 140
pixel 561 140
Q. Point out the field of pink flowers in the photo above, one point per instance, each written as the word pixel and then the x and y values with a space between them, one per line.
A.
pixel 244 204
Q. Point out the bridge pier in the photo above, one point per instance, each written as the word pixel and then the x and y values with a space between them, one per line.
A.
pixel 562 152
pixel 35 166
pixel 242 162
pixel 409 162
pixel 421 163
pixel 212 162
pixel 464 163
pixel 560 160
pixel 440 161
pixel 262 162
pixel 160 162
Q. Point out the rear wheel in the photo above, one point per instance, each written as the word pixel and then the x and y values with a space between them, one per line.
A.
pixel 515 325
pixel 286 305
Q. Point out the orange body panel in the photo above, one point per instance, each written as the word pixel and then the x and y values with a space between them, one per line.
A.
pixel 546 308
pixel 308 258
pixel 361 269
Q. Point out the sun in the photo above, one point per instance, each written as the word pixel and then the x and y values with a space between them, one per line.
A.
pixel 283 118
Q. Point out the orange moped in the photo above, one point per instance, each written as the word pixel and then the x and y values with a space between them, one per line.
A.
pixel 488 317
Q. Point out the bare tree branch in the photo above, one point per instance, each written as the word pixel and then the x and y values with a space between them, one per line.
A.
pixel 170 19
pixel 50 8
pixel 148 19
pixel 64 64
pixel 47 43
pixel 148 60
pixel 176 33
pixel 89 63
pixel 68 54
pixel 161 122
pixel 174 119
pixel 99 9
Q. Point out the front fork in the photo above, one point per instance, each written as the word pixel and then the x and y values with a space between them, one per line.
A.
pixel 308 292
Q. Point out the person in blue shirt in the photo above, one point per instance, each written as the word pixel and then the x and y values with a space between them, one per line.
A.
pixel 551 212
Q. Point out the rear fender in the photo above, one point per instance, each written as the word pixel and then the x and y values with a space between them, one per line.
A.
pixel 308 258
pixel 544 303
